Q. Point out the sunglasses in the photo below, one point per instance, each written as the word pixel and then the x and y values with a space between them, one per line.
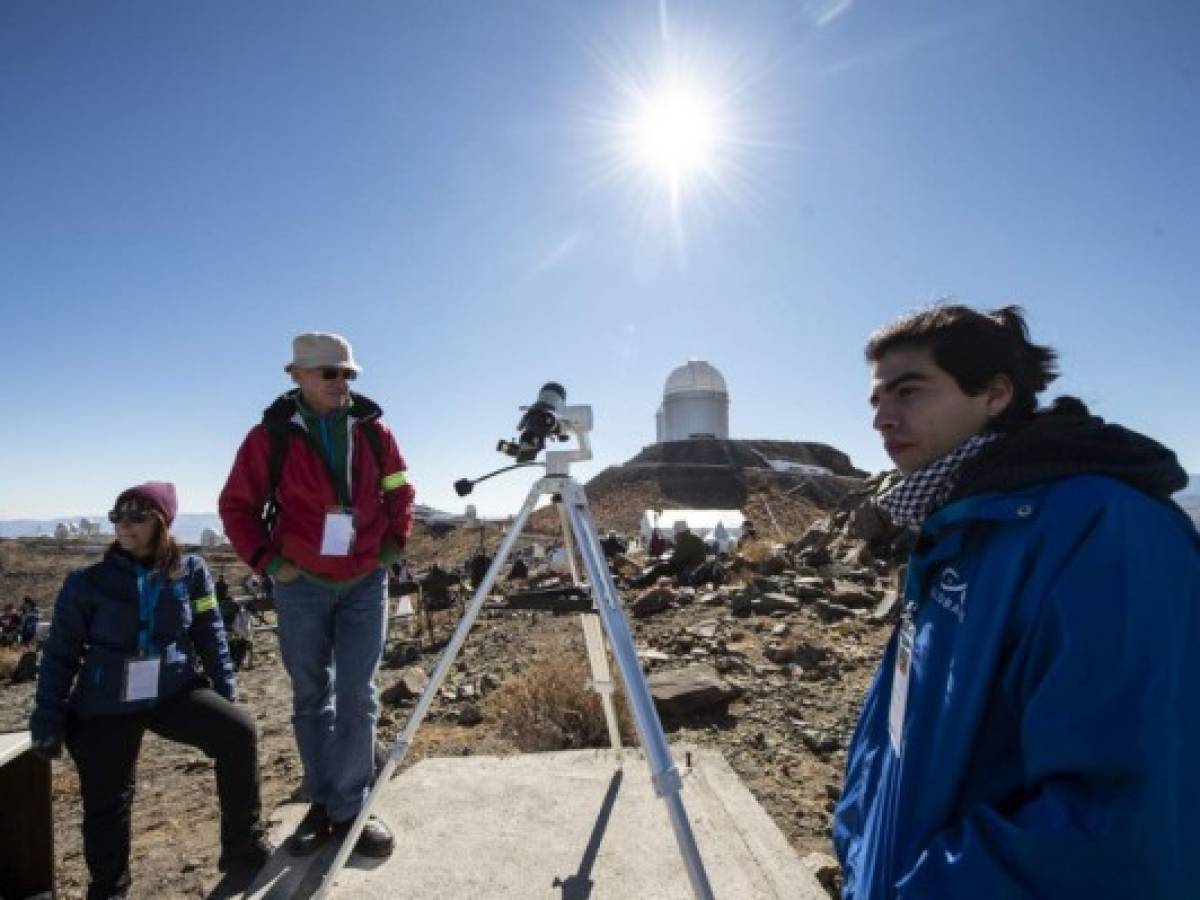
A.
pixel 133 516
pixel 332 374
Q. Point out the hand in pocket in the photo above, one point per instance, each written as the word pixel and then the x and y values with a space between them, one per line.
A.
pixel 287 573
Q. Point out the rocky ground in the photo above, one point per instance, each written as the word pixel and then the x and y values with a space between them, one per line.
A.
pixel 770 669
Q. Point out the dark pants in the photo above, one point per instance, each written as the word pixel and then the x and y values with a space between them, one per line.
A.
pixel 241 653
pixel 105 750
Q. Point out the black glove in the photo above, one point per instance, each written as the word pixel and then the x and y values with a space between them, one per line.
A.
pixel 47 748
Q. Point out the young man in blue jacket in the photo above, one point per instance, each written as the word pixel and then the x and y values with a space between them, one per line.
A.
pixel 1033 729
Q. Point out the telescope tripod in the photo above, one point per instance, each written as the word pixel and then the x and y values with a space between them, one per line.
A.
pixel 577 523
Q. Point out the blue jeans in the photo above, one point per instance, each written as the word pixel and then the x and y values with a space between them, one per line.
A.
pixel 332 641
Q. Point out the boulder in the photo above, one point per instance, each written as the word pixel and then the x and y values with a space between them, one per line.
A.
pixel 26 668
pixel 832 612
pixel 826 870
pixel 651 602
pixel 679 692
pixel 780 652
pixel 706 629
pixel 408 686
pixel 810 656
pixel 820 742
pixel 776 602
pixel 855 598
pixel 807 588
pixel 867 523
pixel 741 604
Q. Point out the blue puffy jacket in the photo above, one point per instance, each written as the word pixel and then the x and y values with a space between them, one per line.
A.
pixel 1050 744
pixel 97 627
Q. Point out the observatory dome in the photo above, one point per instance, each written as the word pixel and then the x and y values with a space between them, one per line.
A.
pixel 696 375
pixel 695 404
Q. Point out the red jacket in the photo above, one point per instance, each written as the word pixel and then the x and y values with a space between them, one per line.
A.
pixel 382 500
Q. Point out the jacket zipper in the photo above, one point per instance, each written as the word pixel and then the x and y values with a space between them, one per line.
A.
pixel 312 444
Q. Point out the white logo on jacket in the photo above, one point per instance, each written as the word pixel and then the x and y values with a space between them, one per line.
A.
pixel 951 593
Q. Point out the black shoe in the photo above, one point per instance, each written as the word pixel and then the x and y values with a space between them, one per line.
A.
pixel 249 856
pixel 375 840
pixel 311 832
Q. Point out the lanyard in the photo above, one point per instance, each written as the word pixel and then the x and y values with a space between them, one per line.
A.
pixel 326 442
pixel 148 594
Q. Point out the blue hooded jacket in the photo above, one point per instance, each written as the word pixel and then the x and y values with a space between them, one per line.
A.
pixel 115 610
pixel 1050 744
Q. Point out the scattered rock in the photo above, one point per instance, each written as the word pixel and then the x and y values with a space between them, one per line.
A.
pixel 819 741
pixel 653 656
pixel 826 870
pixel 855 598
pixel 832 612
pixel 706 629
pixel 682 691
pixel 26 668
pixel 775 602
pixel 651 602
pixel 780 652
pixel 408 686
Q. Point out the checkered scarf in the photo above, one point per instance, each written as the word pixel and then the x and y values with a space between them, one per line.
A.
pixel 923 491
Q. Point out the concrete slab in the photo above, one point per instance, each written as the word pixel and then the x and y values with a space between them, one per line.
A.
pixel 577 825
pixel 13 744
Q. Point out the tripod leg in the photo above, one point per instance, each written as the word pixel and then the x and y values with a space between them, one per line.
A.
pixel 667 782
pixel 568 544
pixel 602 682
pixel 445 661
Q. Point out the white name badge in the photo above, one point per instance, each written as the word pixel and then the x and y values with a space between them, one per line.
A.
pixel 900 685
pixel 141 679
pixel 338 535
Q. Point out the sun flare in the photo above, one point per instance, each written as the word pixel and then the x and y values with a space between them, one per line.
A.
pixel 675 133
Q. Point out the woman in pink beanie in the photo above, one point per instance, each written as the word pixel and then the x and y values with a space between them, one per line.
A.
pixel 121 659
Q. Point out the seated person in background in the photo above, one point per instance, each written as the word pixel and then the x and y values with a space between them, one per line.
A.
pixel 519 571
pixel 241 640
pixel 689 550
pixel 687 557
pixel 138 672
pixel 749 534
pixel 612 545
pixel 478 567
pixel 30 614
pixel 658 546
pixel 436 587
pixel 10 624
pixel 221 589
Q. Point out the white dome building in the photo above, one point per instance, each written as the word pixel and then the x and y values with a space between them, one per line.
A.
pixel 695 404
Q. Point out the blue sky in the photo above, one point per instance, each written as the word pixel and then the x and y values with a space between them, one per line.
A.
pixel 186 185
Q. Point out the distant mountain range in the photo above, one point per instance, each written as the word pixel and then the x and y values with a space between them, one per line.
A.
pixel 1189 498
pixel 188 526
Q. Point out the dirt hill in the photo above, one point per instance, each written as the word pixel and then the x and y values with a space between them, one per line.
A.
pixel 716 474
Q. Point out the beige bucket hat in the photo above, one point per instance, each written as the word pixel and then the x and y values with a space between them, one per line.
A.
pixel 318 349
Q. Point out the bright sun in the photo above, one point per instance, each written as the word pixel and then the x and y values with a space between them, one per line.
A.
pixel 675 133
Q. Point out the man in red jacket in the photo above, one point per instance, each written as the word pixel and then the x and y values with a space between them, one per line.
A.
pixel 338 510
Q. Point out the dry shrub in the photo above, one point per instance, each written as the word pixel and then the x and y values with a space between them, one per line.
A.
pixel 756 550
pixel 9 657
pixel 550 705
